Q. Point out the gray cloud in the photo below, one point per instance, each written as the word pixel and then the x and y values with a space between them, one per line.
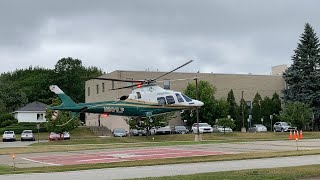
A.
pixel 222 36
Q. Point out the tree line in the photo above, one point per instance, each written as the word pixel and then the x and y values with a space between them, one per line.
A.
pixel 300 103
pixel 24 86
pixel 215 110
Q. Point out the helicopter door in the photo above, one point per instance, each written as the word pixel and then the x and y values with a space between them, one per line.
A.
pixel 170 100
pixel 161 101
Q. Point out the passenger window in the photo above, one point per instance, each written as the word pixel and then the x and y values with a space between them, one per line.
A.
pixel 139 95
pixel 170 99
pixel 180 99
pixel 161 101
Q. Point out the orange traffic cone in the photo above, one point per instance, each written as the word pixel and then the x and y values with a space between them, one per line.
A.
pixel 290 136
pixel 301 134
pixel 295 135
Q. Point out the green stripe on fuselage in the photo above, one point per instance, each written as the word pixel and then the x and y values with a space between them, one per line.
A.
pixel 122 108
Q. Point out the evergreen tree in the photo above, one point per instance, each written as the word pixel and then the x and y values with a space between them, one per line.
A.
pixel 256 109
pixel 232 106
pixel 266 111
pixel 276 101
pixel 303 76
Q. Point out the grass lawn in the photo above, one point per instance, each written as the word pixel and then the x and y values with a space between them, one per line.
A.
pixel 219 137
pixel 287 173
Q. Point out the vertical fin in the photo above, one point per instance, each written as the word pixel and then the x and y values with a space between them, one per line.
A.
pixel 66 100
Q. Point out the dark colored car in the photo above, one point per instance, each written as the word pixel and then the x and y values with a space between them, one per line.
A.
pixel 180 130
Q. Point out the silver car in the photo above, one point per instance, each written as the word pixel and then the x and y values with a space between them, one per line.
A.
pixel 119 132
pixel 282 127
pixel 258 128
pixel 27 135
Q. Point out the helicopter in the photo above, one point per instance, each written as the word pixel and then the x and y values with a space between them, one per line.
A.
pixel 146 100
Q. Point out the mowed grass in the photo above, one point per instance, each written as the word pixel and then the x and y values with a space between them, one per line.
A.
pixel 286 173
pixel 235 136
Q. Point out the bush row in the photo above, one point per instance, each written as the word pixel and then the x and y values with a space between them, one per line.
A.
pixel 19 129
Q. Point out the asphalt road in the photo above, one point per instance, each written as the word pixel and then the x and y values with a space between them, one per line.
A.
pixel 170 170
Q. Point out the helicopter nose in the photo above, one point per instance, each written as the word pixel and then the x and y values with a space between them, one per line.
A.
pixel 198 103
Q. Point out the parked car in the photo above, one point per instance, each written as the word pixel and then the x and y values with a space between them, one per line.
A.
pixel 66 135
pixel 164 130
pixel 8 136
pixel 55 136
pixel 27 135
pixel 134 132
pixel 119 132
pixel 217 128
pixel 203 128
pixel 282 127
pixel 180 130
pixel 258 128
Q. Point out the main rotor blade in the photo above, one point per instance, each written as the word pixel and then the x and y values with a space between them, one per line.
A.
pixel 120 80
pixel 172 70
pixel 125 87
pixel 181 79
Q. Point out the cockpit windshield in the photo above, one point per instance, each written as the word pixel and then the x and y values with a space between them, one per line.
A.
pixel 186 98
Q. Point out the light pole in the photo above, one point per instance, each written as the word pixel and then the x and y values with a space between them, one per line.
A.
pixel 243 129
pixel 271 117
pixel 197 111
pixel 262 120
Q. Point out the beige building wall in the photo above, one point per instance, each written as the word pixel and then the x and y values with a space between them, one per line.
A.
pixel 279 70
pixel 266 85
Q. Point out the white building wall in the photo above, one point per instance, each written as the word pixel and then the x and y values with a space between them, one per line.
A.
pixel 29 117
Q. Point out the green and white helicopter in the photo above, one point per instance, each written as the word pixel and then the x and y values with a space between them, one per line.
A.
pixel 146 100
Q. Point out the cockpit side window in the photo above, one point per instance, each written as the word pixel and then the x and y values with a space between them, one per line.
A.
pixel 170 99
pixel 139 95
pixel 186 98
pixel 180 99
pixel 161 101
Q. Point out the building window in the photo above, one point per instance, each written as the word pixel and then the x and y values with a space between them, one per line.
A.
pixel 103 87
pixel 170 99
pixel 97 88
pixel 112 84
pixel 39 117
pixel 161 101
pixel 88 91
pixel 166 84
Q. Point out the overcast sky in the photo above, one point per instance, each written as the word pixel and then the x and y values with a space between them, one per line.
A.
pixel 222 36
